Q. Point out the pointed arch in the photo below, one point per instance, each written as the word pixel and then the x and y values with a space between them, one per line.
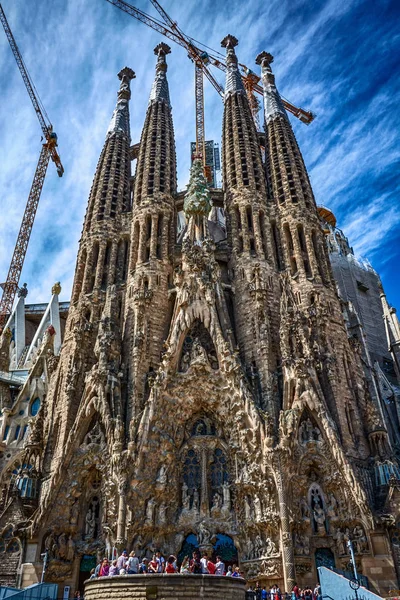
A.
pixel 198 346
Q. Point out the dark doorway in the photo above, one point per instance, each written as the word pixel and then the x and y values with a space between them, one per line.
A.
pixel 190 544
pixel 324 558
pixel 226 549
pixel 88 563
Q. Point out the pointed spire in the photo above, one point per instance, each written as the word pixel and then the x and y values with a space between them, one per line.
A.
pixel 160 90
pixel 273 105
pixel 233 81
pixel 120 118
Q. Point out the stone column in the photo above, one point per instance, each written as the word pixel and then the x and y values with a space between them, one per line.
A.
pixel 289 571
pixel 121 527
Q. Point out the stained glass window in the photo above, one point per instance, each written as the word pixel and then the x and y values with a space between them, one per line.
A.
pixel 35 407
pixel 219 470
pixel 191 471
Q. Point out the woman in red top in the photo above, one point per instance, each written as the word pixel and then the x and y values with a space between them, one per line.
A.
pixel 153 565
pixel 170 568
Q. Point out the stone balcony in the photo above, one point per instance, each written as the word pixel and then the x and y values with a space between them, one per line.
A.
pixel 165 587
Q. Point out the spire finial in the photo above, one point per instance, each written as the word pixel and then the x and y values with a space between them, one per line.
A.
pixel 229 41
pixel 233 78
pixel 273 105
pixel 264 59
pixel 160 86
pixel 120 119
pixel 125 75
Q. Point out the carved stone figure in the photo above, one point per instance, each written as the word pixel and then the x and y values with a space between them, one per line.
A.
pixel 162 514
pixel 162 475
pixel 203 535
pixel 151 505
pixel 247 508
pixel 360 542
pixel 319 517
pixel 227 496
pixel 257 507
pixel 340 542
pixel 62 546
pixel 70 549
pixel 216 502
pixel 90 523
pixel 332 506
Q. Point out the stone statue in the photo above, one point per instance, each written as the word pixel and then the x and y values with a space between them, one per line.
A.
pixel 319 517
pixel 270 547
pixel 73 519
pixel 340 542
pixel 185 497
pixel 49 543
pixel 196 500
pixel 304 509
pixel 70 549
pixel 162 514
pixel 332 506
pixel 162 475
pixel 258 547
pixel 227 495
pixel 247 508
pixel 203 535
pixel 257 508
pixel 90 523
pixel 360 541
pixel 151 505
pixel 216 502
pixel 62 546
pixel 199 355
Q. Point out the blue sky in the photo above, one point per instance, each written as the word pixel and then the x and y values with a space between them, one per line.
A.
pixel 335 58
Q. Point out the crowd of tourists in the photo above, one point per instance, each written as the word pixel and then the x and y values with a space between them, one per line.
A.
pixel 274 593
pixel 130 564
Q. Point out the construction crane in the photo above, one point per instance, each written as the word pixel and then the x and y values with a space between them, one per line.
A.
pixel 48 151
pixel 202 57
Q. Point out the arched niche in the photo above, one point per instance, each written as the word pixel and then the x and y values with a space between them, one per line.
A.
pixel 198 348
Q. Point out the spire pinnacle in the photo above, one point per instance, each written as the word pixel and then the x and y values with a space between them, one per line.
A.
pixel 273 105
pixel 234 81
pixel 120 118
pixel 160 90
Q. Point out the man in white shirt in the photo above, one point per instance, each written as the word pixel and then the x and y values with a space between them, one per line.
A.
pixel 203 562
pixel 219 566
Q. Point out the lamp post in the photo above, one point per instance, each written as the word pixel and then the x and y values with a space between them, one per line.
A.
pixel 45 558
pixel 353 583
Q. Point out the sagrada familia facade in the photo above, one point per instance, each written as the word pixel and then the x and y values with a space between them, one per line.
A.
pixel 207 393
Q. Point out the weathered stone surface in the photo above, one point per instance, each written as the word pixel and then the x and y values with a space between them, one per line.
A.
pixel 207 392
pixel 166 587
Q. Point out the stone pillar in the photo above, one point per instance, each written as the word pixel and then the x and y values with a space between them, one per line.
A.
pixel 289 571
pixel 121 527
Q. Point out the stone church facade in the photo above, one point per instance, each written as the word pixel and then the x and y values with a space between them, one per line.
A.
pixel 207 393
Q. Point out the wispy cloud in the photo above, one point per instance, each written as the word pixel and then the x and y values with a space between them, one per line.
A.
pixel 336 58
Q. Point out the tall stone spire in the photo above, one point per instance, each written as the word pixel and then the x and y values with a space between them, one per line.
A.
pixel 120 118
pixel 110 193
pixel 234 81
pixel 152 235
pixel 249 230
pixel 160 90
pixel 156 167
pixel 273 104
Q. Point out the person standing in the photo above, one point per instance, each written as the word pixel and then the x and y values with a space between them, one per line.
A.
pixel 229 572
pixel 204 564
pixel 161 562
pixel 132 564
pixel 122 560
pixel 105 568
pixel 195 564
pixel 318 592
pixel 153 565
pixel 219 566
pixel 143 567
pixel 170 566
pixel 264 594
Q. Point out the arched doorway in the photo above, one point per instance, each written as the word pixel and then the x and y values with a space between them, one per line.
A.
pixel 190 544
pixel 324 557
pixel 226 549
